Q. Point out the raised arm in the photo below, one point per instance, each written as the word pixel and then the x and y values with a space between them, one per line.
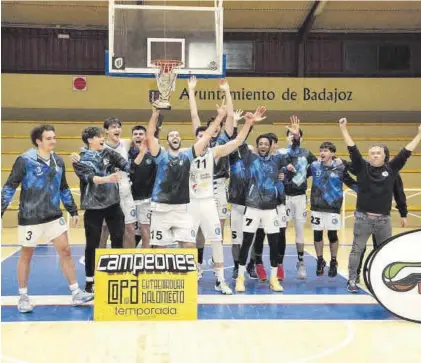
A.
pixel 357 159
pixel 416 140
pixel 229 125
pixel 399 161
pixel 150 133
pixel 228 148
pixel 194 114
pixel 203 142
pixel 347 137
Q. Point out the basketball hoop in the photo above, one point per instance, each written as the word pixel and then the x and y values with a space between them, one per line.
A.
pixel 165 78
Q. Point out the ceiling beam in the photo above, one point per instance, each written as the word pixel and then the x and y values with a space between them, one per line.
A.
pixel 315 11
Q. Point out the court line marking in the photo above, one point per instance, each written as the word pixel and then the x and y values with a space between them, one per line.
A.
pixel 66 300
pixel 4 258
pixel 348 339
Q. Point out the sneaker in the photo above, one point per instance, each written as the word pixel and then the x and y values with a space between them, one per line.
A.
pixel 222 287
pixel 321 264
pixel 261 272
pixel 82 297
pixel 280 273
pixel 352 287
pixel 199 271
pixel 275 285
pixel 24 304
pixel 251 270
pixel 235 273
pixel 89 287
pixel 333 269
pixel 239 284
pixel 301 270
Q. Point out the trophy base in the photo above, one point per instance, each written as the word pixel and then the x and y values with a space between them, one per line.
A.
pixel 160 105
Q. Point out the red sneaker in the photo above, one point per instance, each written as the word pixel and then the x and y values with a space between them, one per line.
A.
pixel 280 273
pixel 261 272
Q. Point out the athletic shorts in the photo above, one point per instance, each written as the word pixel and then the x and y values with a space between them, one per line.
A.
pixel 204 214
pixel 296 208
pixel 221 198
pixel 30 236
pixel 128 207
pixel 323 220
pixel 171 224
pixel 143 213
pixel 257 218
pixel 282 215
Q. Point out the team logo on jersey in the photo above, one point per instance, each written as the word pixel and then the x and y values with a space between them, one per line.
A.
pixel 335 221
pixel 148 161
pixel 38 171
pixel 106 161
pixel 218 231
pixel 133 212
pixel 276 223
pixel 62 221
pixel 181 162
pixel 385 173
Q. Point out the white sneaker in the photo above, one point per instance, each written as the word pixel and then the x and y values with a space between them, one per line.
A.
pixel 24 304
pixel 199 271
pixel 223 287
pixel 81 297
pixel 301 270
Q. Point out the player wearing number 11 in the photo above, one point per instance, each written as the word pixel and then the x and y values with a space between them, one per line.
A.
pixel 203 206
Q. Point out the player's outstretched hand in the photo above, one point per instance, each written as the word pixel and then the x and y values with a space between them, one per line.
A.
pixel 238 115
pixel 343 122
pixel 223 85
pixel 294 128
pixel 192 82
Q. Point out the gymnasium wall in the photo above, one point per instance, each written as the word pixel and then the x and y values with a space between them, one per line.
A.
pixel 51 97
pixel 39 50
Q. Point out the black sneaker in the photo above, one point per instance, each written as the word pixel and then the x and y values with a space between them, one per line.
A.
pixel 89 287
pixel 251 270
pixel 321 264
pixel 333 268
pixel 235 273
pixel 352 287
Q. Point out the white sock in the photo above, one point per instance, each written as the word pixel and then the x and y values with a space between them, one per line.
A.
pixel 23 291
pixel 241 270
pixel 273 272
pixel 74 288
pixel 219 272
pixel 89 279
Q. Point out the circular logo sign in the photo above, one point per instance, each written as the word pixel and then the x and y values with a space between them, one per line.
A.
pixel 393 275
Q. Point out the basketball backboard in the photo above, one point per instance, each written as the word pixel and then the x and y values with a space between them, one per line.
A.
pixel 142 34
